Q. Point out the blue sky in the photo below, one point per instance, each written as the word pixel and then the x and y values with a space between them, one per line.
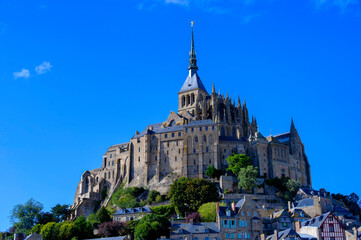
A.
pixel 79 76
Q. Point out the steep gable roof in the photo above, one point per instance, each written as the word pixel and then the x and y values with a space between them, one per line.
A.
pixel 193 82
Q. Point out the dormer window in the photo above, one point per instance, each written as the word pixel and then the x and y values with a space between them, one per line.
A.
pixel 228 213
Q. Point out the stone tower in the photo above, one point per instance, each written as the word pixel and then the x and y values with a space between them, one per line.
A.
pixel 193 89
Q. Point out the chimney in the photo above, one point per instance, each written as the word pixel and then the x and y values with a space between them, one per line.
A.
pixel 276 234
pixel 217 207
pixel 233 206
pixel 355 232
pixel 297 226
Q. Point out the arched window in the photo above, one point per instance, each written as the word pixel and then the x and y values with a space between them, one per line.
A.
pixel 172 123
pixel 188 101
pixel 223 132
pixel 192 98
pixel 204 138
pixel 183 101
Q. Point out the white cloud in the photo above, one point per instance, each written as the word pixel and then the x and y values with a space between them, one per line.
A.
pixel 24 73
pixel 178 2
pixel 342 4
pixel 43 68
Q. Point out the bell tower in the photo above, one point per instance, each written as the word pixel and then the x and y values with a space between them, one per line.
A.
pixel 193 90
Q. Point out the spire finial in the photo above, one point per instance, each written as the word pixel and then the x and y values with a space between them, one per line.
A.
pixel 192 54
pixel 213 88
pixel 239 101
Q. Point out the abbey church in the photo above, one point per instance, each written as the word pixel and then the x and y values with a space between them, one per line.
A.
pixel 206 129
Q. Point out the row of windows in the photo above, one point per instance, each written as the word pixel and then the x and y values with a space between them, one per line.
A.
pixel 233 223
pixel 205 238
pixel 173 135
pixel 200 129
pixel 240 235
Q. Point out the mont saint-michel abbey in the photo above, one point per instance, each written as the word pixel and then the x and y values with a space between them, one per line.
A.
pixel 207 128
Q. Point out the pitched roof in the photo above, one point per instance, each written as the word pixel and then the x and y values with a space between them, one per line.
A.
pixel 306 236
pixel 283 234
pixel 306 202
pixel 186 228
pixel 315 222
pixel 192 82
pixel 133 210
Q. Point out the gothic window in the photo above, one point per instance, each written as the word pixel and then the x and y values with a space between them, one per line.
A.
pixel 177 143
pixel 193 98
pixel 175 159
pixel 194 150
pixel 178 150
pixel 206 128
pixel 183 101
pixel 167 144
pixel 111 155
pixel 139 149
pixel 223 132
pixel 204 138
pixel 155 158
pixel 165 135
pixel 188 100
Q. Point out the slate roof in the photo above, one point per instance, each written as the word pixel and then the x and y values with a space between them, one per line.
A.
pixel 306 202
pixel 192 82
pixel 108 238
pixel 283 234
pixel 310 192
pixel 315 222
pixel 133 210
pixel 157 127
pixel 186 228
pixel 200 123
pixel 306 236
pixel 283 138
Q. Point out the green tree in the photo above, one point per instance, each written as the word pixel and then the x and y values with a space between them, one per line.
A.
pixel 67 231
pixel 165 210
pixel 187 195
pixel 247 178
pixel 44 218
pixel 37 228
pixel 152 195
pixel 84 228
pixel 151 227
pixel 24 216
pixel 60 212
pixel 103 215
pixel 238 161
pixel 208 211
pixel 50 231
pixel 292 187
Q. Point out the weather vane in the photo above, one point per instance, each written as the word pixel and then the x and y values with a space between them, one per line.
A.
pixel 192 23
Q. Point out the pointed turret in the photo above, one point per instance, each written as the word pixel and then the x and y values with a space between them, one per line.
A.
pixel 244 102
pixel 192 56
pixel 213 88
pixel 239 101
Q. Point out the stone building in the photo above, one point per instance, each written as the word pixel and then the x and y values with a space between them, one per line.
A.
pixel 206 129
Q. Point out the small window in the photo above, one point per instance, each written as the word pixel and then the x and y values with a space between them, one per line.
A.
pixel 111 155
pixel 175 158
pixel 200 129
pixel 112 163
pixel 177 143
pixel 207 149
pixel 179 134
pixel 194 150
pixel 194 161
pixel 138 159
pixel 207 128
pixel 155 158
pixel 178 150
pixel 172 134
pixel 167 152
pixel 331 228
pixel 192 129
pixel 165 135
pixel 212 127
pixel 138 140
pixel 210 161
pixel 139 149
pixel 186 130
pixel 167 144
pixel 195 139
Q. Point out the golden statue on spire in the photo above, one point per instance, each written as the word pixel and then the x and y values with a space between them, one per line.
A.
pixel 192 22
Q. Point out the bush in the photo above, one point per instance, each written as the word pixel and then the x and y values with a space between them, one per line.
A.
pixel 37 228
pixel 112 229
pixel 67 231
pixel 103 215
pixel 151 227
pixel 126 198
pixel 166 210
pixel 84 228
pixel 153 195
pixel 50 231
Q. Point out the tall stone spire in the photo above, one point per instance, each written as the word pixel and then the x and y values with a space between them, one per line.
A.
pixel 192 56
